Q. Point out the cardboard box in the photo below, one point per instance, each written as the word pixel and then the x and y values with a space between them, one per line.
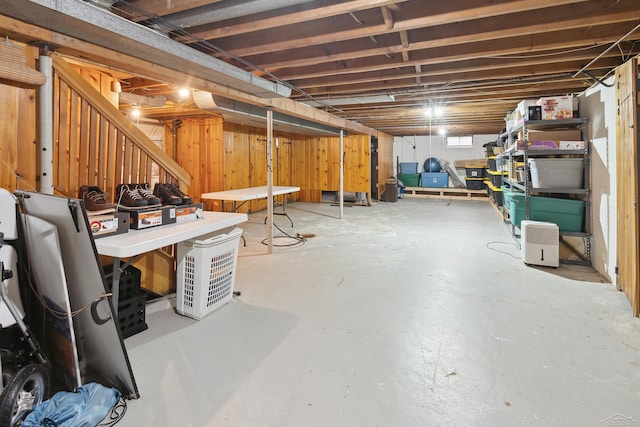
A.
pixel 571 145
pixel 151 217
pixel 552 135
pixel 108 225
pixel 189 213
pixel 556 107
pixel 537 145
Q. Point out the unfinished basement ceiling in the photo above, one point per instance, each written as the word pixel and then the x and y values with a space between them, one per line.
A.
pixel 379 62
pixel 371 64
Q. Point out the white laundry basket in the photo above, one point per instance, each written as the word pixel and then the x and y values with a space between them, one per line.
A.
pixel 206 273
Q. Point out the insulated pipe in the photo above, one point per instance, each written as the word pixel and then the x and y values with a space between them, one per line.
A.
pixel 269 181
pixel 45 110
pixel 228 9
pixel 341 173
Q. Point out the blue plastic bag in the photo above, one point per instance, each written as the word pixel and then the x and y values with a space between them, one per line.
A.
pixel 85 407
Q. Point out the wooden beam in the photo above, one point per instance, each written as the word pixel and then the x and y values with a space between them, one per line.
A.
pixel 80 49
pixel 387 16
pixel 564 18
pixel 490 65
pixel 231 28
pixel 570 39
pixel 261 45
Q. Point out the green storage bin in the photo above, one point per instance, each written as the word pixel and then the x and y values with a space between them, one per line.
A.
pixel 410 179
pixel 506 194
pixel 568 214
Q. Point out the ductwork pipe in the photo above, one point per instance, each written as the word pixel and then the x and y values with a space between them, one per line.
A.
pixel 227 10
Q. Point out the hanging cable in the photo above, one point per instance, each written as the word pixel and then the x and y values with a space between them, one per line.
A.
pixel 581 70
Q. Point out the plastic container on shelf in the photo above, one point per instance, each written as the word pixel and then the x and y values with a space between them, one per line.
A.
pixel 496 177
pixel 556 173
pixel 497 163
pixel 568 214
pixel 496 195
pixel 206 273
pixel 507 194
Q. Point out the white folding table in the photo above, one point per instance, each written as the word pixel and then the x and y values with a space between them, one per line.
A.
pixel 252 193
pixel 137 242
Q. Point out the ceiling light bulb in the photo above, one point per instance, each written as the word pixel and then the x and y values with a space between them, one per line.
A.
pixel 438 111
pixel 427 111
pixel 135 112
pixel 184 92
pixel 442 131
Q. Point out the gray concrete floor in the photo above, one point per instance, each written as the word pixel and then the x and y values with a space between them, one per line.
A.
pixel 415 313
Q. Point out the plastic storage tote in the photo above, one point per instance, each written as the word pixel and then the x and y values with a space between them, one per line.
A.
pixel 408 167
pixel 568 214
pixel 474 172
pixel 474 183
pixel 410 179
pixel 206 273
pixel 556 173
pixel 434 179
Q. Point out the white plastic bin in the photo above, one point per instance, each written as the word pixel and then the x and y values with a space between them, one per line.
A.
pixel 206 272
pixel 556 173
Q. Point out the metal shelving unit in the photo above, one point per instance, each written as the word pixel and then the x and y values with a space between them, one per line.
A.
pixel 584 193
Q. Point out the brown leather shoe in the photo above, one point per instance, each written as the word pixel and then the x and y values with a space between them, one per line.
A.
pixel 95 200
pixel 129 197
pixel 145 193
pixel 166 195
pixel 185 200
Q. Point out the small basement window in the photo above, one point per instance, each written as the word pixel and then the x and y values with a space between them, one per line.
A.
pixel 459 141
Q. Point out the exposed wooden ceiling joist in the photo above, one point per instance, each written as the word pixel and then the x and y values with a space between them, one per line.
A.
pixel 477 57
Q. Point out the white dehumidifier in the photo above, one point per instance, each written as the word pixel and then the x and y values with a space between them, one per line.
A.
pixel 540 243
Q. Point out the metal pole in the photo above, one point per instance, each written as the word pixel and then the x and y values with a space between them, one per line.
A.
pixel 607 50
pixel 269 181
pixel 341 173
pixel 45 110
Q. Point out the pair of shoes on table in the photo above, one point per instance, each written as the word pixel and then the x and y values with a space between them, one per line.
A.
pixel 95 200
pixel 137 196
pixel 170 194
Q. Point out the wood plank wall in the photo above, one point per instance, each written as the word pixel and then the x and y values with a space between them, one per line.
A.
pixel 385 160
pixel 19 155
pixel 628 241
pixel 237 156
pixel 316 165
pixel 198 145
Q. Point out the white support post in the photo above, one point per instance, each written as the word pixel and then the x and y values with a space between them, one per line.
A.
pixel 45 110
pixel 341 173
pixel 269 181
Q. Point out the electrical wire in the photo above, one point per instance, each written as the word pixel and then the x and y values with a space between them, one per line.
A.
pixel 542 55
pixel 60 314
pixel 16 175
pixel 115 415
pixel 298 239
pixel 504 252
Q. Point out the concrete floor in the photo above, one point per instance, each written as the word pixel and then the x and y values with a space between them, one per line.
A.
pixel 415 313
